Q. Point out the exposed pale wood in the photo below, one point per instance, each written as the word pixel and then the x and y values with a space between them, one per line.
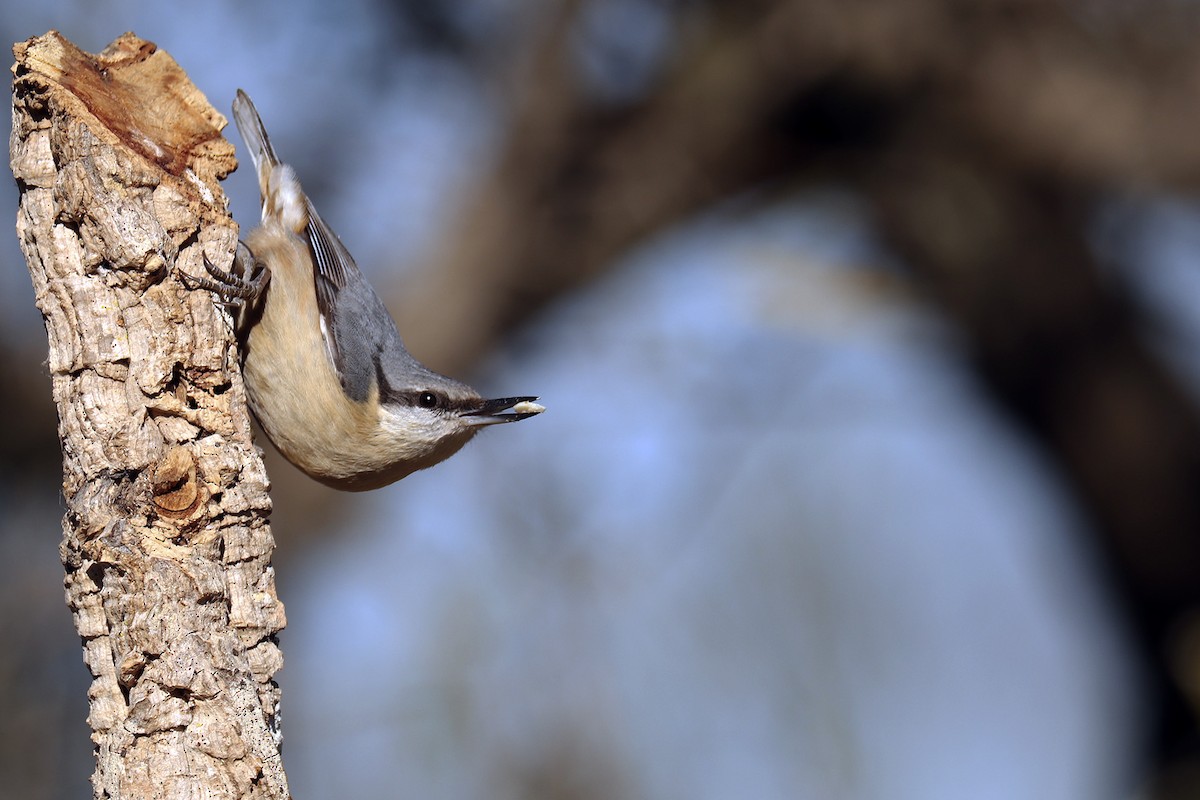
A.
pixel 166 543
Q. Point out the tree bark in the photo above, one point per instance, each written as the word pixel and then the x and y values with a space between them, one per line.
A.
pixel 166 544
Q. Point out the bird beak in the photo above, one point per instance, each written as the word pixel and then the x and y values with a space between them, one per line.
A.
pixel 504 409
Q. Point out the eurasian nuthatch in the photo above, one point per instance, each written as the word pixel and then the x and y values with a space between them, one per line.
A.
pixel 326 373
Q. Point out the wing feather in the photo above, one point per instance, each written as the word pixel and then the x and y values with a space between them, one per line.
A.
pixel 332 262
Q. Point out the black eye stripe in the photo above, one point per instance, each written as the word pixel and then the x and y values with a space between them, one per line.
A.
pixel 432 399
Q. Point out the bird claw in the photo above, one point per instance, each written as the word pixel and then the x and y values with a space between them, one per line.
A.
pixel 246 283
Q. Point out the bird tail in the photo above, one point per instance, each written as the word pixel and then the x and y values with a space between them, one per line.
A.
pixel 282 198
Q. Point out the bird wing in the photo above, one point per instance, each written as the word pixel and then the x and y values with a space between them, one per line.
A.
pixel 332 263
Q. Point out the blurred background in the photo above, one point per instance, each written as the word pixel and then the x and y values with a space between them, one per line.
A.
pixel 869 337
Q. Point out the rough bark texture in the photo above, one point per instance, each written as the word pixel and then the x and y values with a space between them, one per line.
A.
pixel 166 543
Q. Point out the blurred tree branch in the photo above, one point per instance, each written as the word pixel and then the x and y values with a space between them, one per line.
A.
pixel 981 134
pixel 166 545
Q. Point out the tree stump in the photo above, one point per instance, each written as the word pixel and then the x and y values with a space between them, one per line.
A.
pixel 166 542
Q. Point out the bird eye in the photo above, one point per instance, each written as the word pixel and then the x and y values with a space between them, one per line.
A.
pixel 427 400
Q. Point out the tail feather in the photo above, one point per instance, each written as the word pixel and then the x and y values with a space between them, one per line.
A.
pixel 250 126
pixel 281 194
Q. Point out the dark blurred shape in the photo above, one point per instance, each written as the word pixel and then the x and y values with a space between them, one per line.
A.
pixel 30 439
pixel 982 135
pixel 841 111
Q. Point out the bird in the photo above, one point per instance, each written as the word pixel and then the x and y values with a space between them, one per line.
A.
pixel 327 375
